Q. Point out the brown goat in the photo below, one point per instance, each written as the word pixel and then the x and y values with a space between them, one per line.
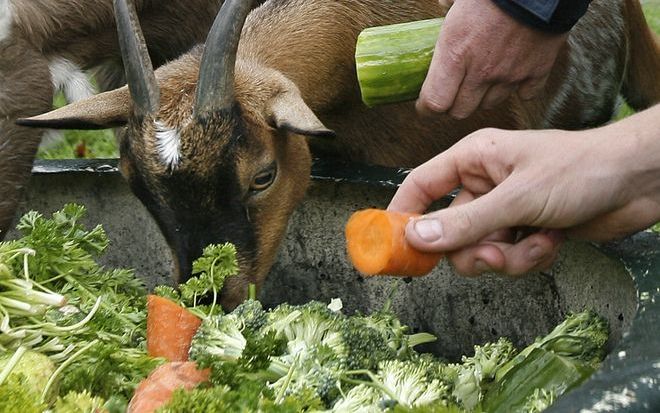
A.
pixel 46 45
pixel 215 144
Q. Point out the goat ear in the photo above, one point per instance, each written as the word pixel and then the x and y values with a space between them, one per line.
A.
pixel 290 112
pixel 105 110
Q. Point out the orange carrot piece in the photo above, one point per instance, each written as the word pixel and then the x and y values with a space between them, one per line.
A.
pixel 156 390
pixel 170 329
pixel 376 245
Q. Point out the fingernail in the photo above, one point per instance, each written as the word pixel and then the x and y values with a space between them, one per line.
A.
pixel 481 266
pixel 428 229
pixel 536 253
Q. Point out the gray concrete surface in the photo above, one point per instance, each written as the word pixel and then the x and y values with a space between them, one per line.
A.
pixel 312 264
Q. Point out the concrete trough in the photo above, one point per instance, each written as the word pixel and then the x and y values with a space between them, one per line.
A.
pixel 620 280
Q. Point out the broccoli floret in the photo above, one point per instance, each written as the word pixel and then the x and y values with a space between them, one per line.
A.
pixel 365 346
pixel 408 383
pixel 307 325
pixel 476 372
pixel 405 383
pixel 36 367
pixel 17 395
pixel 252 315
pixel 317 369
pixel 82 402
pixel 218 336
pixel 391 329
pixel 253 363
pixel 232 349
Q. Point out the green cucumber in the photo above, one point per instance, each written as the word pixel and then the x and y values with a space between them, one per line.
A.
pixel 392 61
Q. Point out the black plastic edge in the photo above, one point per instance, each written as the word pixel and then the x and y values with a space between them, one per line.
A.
pixel 322 170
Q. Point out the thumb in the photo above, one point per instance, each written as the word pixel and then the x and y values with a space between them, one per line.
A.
pixel 459 226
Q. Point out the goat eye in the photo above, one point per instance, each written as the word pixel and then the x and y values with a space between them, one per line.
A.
pixel 263 180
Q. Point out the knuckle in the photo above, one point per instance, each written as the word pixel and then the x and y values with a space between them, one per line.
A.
pixel 431 102
pixel 463 220
pixel 459 114
pixel 488 73
pixel 455 55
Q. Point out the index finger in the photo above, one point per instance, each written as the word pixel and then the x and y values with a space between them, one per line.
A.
pixel 426 183
pixel 443 79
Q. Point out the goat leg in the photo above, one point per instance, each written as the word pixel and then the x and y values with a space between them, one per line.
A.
pixel 25 90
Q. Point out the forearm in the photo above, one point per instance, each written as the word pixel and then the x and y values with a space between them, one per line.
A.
pixel 554 16
pixel 636 142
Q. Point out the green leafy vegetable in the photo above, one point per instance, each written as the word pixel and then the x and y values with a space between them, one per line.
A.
pixel 82 402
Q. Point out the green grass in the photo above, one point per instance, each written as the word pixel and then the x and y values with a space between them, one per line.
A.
pixel 652 13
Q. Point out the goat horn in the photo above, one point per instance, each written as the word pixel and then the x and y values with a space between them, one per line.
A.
pixel 215 87
pixel 139 72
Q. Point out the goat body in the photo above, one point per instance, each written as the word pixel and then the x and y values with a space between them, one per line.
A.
pixel 235 172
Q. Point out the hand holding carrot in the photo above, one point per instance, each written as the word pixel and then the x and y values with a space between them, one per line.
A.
pixel 596 184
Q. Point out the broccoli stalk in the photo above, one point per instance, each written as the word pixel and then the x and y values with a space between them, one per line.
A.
pixel 477 372
pixel 540 400
pixel 362 398
pixel 581 337
pixel 21 298
pixel 541 369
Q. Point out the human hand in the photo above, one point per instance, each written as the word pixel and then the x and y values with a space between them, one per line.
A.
pixel 482 56
pixel 581 182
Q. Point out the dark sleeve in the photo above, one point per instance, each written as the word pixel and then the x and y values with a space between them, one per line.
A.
pixel 555 16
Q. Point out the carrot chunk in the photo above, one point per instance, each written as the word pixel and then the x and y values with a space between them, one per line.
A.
pixel 170 329
pixel 376 245
pixel 156 390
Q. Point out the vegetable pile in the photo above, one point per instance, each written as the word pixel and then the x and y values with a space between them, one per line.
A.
pixel 77 337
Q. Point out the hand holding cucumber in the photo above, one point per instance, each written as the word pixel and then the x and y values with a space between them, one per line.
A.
pixel 481 57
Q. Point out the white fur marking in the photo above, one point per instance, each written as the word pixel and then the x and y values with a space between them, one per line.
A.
pixel 168 141
pixel 5 19
pixel 70 79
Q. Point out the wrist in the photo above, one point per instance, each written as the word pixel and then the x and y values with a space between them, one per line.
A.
pixel 557 16
pixel 635 141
